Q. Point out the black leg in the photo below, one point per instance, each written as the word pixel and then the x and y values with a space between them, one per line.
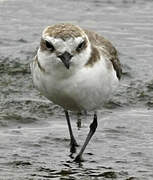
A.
pixel 79 120
pixel 93 127
pixel 73 143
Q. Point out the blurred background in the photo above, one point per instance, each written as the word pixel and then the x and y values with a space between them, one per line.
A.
pixel 34 140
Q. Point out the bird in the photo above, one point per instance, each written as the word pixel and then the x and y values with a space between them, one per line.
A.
pixel 77 69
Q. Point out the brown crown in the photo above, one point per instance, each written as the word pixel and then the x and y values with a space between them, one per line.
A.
pixel 63 31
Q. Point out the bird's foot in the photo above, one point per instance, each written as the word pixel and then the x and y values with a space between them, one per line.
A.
pixel 73 145
pixel 78 159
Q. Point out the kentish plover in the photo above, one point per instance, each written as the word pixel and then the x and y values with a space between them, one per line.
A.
pixel 77 69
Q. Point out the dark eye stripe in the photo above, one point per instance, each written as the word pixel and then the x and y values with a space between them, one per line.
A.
pixel 49 46
pixel 81 46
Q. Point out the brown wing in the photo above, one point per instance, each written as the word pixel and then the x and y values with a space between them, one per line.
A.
pixel 107 48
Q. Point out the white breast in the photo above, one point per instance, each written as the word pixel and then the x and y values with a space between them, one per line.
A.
pixel 87 89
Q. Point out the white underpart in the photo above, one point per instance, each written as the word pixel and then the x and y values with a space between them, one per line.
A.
pixel 79 88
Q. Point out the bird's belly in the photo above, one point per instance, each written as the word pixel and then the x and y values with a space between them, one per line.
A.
pixel 66 101
pixel 78 96
pixel 85 91
pixel 77 100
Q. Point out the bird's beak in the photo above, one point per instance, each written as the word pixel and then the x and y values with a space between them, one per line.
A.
pixel 65 58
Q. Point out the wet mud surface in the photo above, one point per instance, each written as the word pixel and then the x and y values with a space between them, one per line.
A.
pixel 34 139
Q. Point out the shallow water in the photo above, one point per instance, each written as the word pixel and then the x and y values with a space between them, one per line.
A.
pixel 34 140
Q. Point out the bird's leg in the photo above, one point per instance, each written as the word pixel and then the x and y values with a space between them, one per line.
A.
pixel 73 142
pixel 79 120
pixel 93 127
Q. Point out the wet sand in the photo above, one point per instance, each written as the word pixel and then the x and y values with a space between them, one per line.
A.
pixel 34 139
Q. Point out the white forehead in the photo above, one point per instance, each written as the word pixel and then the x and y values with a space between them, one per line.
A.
pixel 63 45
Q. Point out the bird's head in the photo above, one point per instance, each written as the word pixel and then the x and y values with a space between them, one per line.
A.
pixel 64 46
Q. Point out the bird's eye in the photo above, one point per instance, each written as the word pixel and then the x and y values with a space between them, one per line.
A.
pixel 49 46
pixel 81 46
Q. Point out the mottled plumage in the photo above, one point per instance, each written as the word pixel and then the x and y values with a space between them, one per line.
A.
pixel 63 31
pixel 107 49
